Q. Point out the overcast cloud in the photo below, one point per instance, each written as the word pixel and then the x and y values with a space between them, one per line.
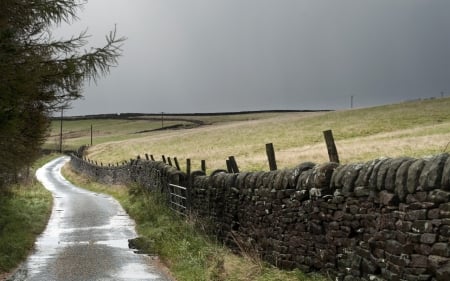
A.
pixel 234 55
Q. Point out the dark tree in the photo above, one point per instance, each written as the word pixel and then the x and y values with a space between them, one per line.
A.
pixel 39 74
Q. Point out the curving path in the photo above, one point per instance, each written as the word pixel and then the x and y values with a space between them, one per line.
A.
pixel 86 237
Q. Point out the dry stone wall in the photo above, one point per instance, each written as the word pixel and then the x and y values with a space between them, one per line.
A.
pixel 386 219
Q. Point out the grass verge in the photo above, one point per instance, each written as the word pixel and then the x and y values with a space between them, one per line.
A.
pixel 24 212
pixel 189 253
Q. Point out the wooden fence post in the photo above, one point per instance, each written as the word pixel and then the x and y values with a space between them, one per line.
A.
pixel 169 161
pixel 233 164
pixel 204 166
pixel 271 156
pixel 151 157
pixel 188 167
pixel 176 163
pixel 164 158
pixel 146 157
pixel 229 168
pixel 331 146
pixel 189 180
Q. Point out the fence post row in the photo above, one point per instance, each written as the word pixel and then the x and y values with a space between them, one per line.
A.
pixel 179 196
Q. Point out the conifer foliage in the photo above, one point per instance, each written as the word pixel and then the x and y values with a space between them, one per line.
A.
pixel 40 74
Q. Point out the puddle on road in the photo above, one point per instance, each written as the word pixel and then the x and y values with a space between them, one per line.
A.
pixel 121 244
pixel 135 271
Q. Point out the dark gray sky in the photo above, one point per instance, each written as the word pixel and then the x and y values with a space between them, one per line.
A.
pixel 234 55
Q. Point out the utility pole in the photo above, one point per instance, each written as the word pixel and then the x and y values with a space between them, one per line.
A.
pixel 162 120
pixel 60 130
pixel 91 134
pixel 351 101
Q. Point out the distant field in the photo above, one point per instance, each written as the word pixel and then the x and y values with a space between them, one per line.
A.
pixel 78 132
pixel 407 129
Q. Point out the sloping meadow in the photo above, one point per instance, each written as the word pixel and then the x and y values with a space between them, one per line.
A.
pixel 414 129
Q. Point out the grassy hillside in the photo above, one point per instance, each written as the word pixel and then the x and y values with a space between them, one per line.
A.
pixel 78 132
pixel 407 129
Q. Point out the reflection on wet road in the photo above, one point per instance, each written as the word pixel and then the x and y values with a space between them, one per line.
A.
pixel 86 237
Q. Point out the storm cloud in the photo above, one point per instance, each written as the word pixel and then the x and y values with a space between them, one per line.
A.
pixel 234 55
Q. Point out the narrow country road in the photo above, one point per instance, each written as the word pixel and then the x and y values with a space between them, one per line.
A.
pixel 86 237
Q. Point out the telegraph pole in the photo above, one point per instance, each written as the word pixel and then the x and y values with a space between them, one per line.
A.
pixel 60 130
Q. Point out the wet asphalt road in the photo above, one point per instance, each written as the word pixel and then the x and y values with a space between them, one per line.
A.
pixel 86 237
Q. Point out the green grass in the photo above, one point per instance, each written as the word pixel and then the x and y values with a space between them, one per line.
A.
pixel 412 129
pixel 187 251
pixel 78 132
pixel 24 212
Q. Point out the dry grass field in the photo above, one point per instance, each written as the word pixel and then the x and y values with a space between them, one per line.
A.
pixel 416 129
